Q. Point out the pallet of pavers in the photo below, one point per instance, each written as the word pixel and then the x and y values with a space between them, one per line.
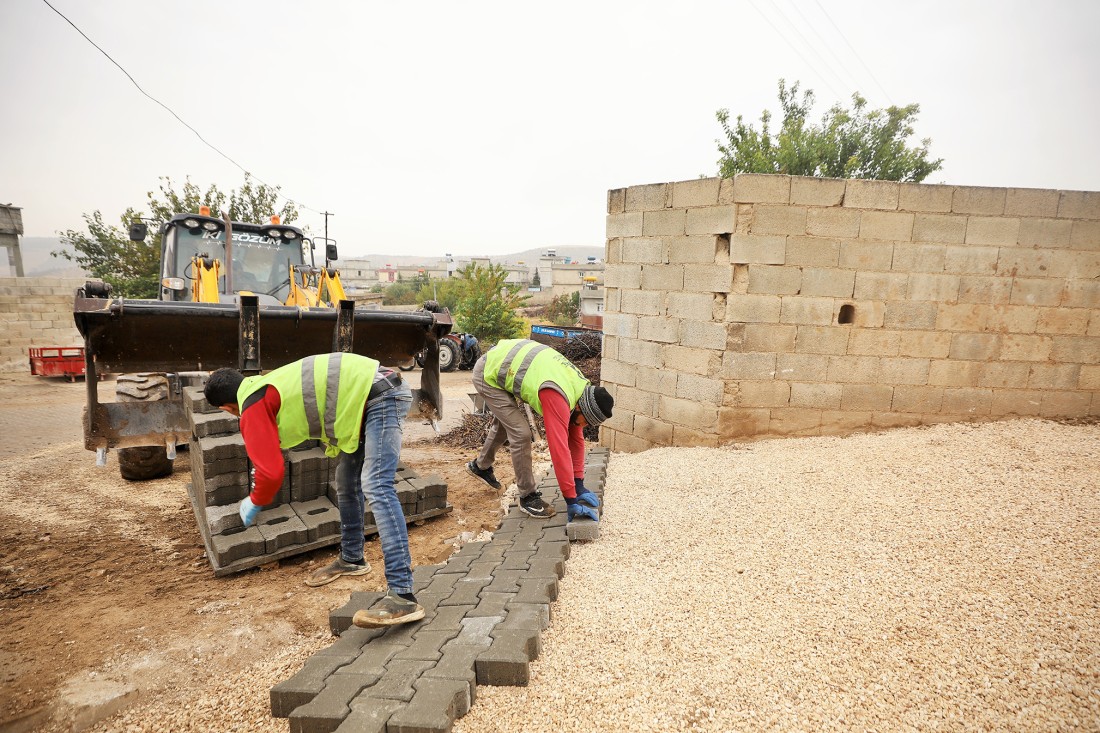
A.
pixel 305 514
pixel 486 608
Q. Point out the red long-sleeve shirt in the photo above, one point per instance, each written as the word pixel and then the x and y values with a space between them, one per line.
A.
pixel 564 439
pixel 261 442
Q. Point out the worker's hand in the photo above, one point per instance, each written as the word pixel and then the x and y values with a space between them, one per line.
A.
pixel 248 511
pixel 584 494
pixel 583 512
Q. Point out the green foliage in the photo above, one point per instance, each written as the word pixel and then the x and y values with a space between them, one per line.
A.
pixel 856 143
pixel 487 305
pixel 104 250
pixel 133 268
pixel 564 310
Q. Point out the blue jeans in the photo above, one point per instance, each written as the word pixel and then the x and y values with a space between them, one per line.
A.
pixel 373 467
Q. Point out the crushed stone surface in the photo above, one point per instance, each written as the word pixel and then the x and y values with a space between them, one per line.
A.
pixel 941 578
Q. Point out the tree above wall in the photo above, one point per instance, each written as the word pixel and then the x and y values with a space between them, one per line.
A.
pixel 855 143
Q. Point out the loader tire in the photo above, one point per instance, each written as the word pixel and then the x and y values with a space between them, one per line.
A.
pixel 146 462
pixel 448 355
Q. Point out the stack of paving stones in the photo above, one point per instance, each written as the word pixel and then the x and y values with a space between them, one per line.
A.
pixel 485 610
pixel 304 514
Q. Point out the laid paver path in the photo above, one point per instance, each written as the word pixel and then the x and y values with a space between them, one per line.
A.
pixel 485 610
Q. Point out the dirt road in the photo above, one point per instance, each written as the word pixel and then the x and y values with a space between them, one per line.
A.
pixel 107 599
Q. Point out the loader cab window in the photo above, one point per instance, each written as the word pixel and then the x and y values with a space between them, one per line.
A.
pixel 259 262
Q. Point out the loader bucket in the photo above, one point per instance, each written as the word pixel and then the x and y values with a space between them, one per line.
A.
pixel 128 336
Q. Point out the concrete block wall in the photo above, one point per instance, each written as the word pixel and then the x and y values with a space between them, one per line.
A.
pixel 35 311
pixel 769 305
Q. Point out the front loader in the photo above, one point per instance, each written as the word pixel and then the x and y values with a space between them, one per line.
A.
pixel 238 295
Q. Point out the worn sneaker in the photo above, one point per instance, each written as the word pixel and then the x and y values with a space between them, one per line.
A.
pixel 336 569
pixel 485 474
pixel 534 506
pixel 391 610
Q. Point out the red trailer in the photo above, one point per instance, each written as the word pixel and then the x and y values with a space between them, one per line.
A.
pixel 57 361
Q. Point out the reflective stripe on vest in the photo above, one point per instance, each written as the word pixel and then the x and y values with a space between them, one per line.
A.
pixel 309 396
pixel 521 371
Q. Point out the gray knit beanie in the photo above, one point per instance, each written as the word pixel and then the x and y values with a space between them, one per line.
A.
pixel 596 404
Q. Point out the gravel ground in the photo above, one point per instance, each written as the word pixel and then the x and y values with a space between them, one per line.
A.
pixel 939 578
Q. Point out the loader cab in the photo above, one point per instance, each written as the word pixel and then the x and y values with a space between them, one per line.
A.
pixel 261 257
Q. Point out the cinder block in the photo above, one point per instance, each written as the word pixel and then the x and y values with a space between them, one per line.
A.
pixel 1031 202
pixel 1079 205
pixel 924 197
pixel 828 282
pixel 838 223
pixel 812 251
pixel 866 194
pixel 628 224
pixel 817 191
pixel 892 225
pixel 759 188
pixel 978 200
pixel 782 220
pixel 1003 232
pixel 758 249
pixel 649 197
pixel 774 280
pixel 710 220
pixel 1046 232
pixel 867 255
pixel 666 222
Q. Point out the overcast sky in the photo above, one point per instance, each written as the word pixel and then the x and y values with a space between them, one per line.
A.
pixel 489 128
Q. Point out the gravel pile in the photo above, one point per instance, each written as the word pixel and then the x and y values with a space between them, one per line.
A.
pixel 940 578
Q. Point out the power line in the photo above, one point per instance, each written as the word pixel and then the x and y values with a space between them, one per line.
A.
pixel 171 112
pixel 793 47
pixel 855 53
pixel 828 47
pixel 823 62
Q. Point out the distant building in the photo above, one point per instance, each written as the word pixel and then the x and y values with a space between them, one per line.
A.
pixel 11 228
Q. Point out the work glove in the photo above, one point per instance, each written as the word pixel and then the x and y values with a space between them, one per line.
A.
pixel 583 512
pixel 584 494
pixel 248 511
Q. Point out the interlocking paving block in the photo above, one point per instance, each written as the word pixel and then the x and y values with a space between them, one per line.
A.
pixel 443 583
pixel 526 616
pixel 213 423
pixel 223 518
pixel 582 530
pixel 222 447
pixel 466 592
pixel 434 708
pixel 516 560
pixel 504 581
pixel 447 617
pixel 434 485
pixel 478 631
pixel 234 545
pixel 281 527
pixel 339 619
pixel 471 548
pixel 397 682
pixel 459 663
pixel 372 660
pixel 507 661
pixel 369 715
pixel 537 590
pixel 427 643
pixel 459 563
pixel 320 517
pixel 307 683
pixel 492 604
pixel 352 640
pixel 546 567
pixel 327 710
pixel 482 569
pixel 422 574
pixel 195 401
pixel 556 550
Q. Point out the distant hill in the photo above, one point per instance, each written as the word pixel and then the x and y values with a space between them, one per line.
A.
pixel 528 256
pixel 37 261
